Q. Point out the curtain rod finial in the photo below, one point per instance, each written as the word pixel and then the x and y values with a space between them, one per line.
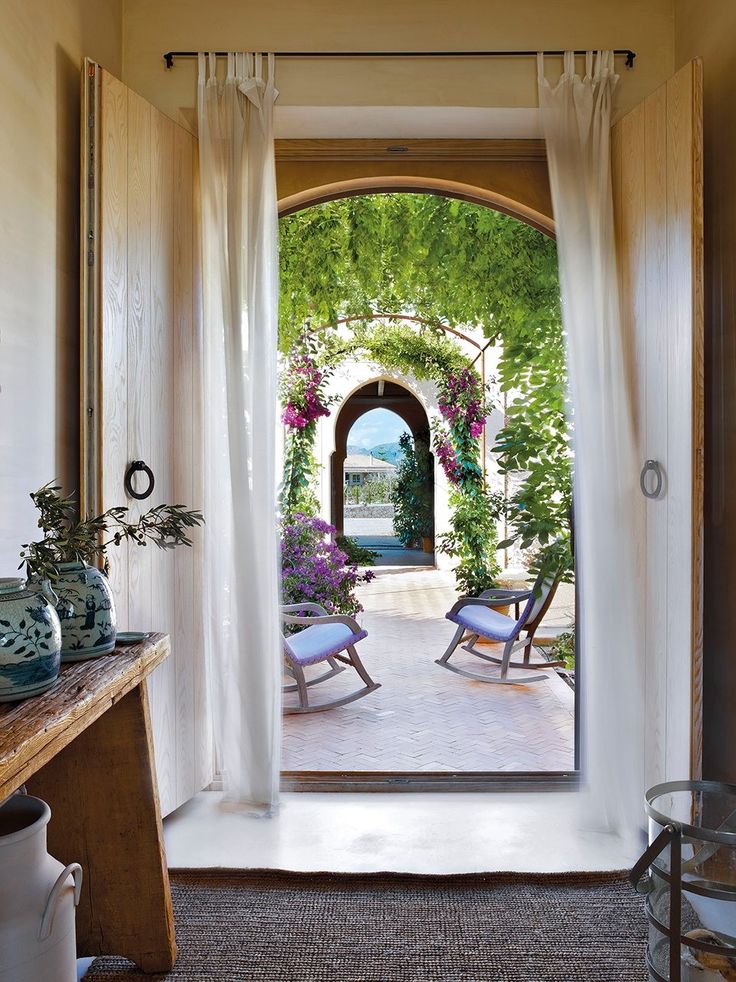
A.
pixel 169 59
pixel 630 55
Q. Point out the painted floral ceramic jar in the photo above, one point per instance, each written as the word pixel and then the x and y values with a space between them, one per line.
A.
pixel 30 641
pixel 86 610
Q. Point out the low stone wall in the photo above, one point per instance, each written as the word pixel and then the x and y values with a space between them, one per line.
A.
pixel 369 511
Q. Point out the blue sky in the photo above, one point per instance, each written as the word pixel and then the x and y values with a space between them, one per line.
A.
pixel 376 426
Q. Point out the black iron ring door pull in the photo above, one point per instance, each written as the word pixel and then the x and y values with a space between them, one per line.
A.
pixel 133 468
pixel 655 468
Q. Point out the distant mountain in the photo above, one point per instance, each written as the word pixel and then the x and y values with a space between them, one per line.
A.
pixel 390 452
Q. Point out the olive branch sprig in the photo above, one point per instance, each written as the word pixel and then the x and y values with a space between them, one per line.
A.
pixel 68 538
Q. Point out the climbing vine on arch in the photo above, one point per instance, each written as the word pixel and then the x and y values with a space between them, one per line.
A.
pixel 460 264
pixel 427 355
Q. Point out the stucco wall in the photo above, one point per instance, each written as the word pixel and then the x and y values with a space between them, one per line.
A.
pixel 42 45
pixel 152 28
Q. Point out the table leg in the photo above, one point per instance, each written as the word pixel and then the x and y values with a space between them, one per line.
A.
pixel 105 815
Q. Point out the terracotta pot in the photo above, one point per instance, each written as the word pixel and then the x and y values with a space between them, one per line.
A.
pixel 37 898
pixel 427 543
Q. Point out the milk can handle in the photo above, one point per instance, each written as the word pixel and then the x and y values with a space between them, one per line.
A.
pixel 47 921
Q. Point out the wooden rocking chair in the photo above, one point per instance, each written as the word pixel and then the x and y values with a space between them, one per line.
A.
pixel 477 617
pixel 323 639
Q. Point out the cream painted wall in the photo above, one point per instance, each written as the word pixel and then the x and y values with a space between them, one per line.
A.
pixel 42 44
pixel 152 28
pixel 707 28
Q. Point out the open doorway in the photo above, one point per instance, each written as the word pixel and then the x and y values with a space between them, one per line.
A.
pixel 477 374
pixel 382 475
pixel 110 463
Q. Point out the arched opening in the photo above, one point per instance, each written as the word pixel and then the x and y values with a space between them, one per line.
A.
pixel 352 187
pixel 367 455
pixel 368 320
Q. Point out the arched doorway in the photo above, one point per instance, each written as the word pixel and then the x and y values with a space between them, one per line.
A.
pixel 534 215
pixel 409 608
pixel 377 394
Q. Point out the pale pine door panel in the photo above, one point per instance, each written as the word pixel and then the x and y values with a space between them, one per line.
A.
pixel 150 403
pixel 657 182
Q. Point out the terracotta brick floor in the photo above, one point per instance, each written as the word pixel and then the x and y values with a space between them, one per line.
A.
pixel 425 718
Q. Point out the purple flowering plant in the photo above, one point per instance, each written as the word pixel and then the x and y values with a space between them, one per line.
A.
pixel 303 397
pixel 471 537
pixel 302 385
pixel 463 407
pixel 448 458
pixel 314 568
pixel 462 402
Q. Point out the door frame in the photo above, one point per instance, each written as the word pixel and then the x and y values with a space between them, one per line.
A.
pixel 372 155
pixel 317 171
pixel 89 264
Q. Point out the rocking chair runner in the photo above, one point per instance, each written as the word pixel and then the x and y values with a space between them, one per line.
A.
pixel 477 617
pixel 323 639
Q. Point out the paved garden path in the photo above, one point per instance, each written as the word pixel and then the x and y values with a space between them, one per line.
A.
pixel 425 718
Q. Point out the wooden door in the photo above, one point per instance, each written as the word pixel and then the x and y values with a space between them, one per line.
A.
pixel 141 349
pixel 658 206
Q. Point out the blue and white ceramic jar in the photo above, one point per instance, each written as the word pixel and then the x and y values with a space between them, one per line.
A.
pixel 86 610
pixel 30 641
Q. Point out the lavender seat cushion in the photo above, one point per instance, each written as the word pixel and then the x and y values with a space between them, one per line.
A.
pixel 319 641
pixel 485 621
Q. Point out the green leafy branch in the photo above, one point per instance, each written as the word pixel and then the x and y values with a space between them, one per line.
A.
pixel 67 538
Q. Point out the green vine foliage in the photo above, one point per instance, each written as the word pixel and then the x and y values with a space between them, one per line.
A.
pixel 297 492
pixel 474 513
pixel 427 354
pixel 452 262
pixel 302 390
pixel 413 492
pixel 471 538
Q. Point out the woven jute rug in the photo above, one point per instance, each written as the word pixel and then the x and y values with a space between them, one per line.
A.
pixel 296 927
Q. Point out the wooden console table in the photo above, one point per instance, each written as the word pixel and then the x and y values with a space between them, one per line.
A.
pixel 85 748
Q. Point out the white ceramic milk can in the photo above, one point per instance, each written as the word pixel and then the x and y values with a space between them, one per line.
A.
pixel 37 898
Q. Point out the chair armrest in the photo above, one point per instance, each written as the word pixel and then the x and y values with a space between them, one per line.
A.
pixel 325 619
pixel 315 608
pixel 503 597
pixel 509 597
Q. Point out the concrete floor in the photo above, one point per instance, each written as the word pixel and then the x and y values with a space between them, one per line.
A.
pixel 371 527
pixel 424 718
pixel 413 833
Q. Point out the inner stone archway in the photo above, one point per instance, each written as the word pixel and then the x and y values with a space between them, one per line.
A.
pixel 377 394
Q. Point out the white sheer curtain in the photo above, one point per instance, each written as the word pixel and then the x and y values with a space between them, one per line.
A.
pixel 576 118
pixel 240 302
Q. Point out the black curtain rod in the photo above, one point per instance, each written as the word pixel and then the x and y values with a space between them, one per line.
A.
pixel 624 52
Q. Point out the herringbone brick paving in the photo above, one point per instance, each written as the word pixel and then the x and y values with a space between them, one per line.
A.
pixel 425 718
